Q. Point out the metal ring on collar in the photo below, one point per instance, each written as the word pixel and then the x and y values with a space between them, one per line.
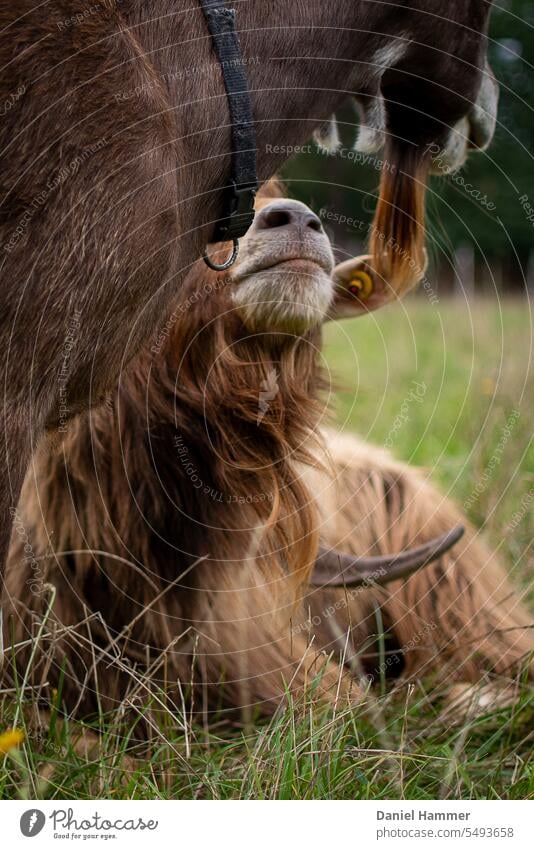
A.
pixel 227 263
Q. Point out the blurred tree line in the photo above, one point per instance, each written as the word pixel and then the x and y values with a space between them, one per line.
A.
pixel 481 220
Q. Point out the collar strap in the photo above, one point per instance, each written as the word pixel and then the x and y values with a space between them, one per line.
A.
pixel 238 199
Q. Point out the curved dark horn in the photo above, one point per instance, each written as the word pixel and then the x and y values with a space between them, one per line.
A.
pixel 333 568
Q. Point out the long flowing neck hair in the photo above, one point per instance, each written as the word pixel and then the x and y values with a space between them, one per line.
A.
pixel 201 450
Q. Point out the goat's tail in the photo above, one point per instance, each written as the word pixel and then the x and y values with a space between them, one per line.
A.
pixel 397 240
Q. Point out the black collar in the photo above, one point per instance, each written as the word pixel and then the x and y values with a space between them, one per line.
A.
pixel 239 196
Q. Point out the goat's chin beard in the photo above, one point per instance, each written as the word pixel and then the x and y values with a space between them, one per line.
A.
pixel 282 302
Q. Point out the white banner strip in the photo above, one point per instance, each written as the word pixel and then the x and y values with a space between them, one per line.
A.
pixel 255 825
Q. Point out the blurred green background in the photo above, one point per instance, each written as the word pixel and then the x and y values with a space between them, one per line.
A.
pixel 480 238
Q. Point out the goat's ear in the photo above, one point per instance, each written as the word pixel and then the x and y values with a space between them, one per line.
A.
pixel 360 289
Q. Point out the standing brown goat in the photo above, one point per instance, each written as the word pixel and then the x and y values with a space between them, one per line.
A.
pixel 115 142
pixel 179 524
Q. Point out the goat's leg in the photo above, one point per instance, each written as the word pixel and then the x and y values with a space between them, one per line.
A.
pixel 15 453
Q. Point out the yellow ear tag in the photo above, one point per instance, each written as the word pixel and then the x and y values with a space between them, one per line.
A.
pixel 361 285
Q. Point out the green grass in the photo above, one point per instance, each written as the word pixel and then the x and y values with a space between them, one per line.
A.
pixel 473 368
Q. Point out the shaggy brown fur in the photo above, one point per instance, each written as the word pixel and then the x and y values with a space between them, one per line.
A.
pixel 459 616
pixel 179 530
pixel 175 470
pixel 115 140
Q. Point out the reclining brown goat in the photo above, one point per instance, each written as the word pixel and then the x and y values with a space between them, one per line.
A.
pixel 179 523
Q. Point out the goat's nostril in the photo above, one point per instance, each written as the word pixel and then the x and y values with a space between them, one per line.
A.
pixel 270 218
pixel 314 223
pixel 290 214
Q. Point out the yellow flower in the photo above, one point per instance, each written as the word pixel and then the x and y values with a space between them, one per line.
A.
pixel 10 739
